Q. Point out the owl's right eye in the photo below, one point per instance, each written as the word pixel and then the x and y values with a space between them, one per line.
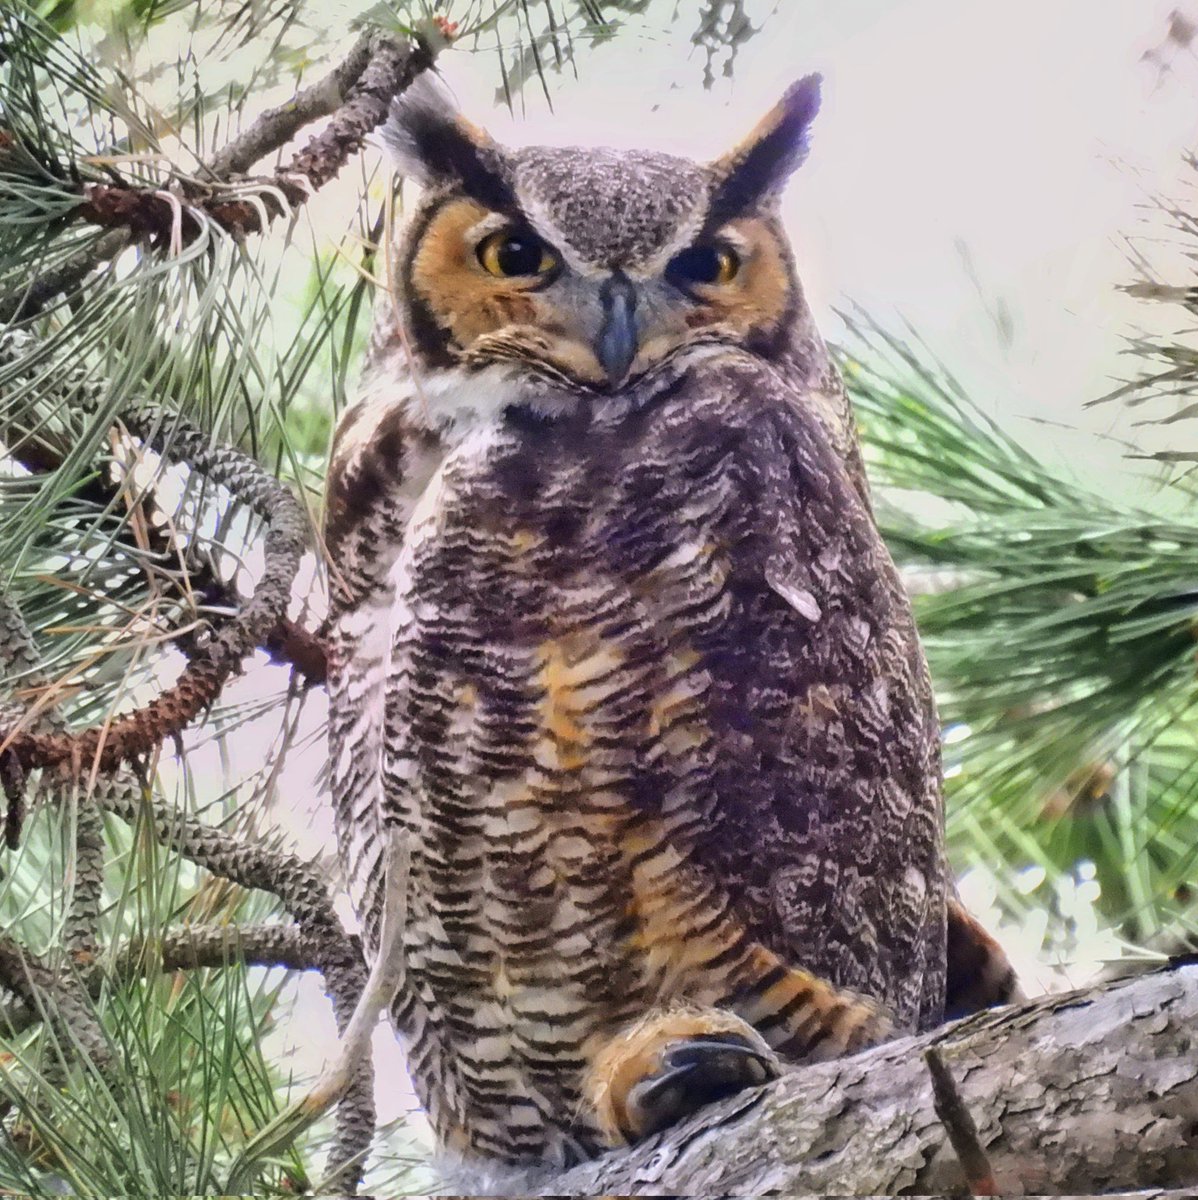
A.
pixel 508 255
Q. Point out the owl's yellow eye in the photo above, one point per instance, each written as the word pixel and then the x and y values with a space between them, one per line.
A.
pixel 706 264
pixel 509 255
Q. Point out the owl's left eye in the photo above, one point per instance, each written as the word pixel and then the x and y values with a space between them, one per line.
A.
pixel 510 255
pixel 705 264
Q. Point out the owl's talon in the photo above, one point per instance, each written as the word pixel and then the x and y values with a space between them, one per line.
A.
pixel 693 1074
pixel 700 1050
pixel 669 1065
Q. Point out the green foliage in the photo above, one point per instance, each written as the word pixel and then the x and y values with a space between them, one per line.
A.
pixel 1163 382
pixel 184 1079
pixel 255 341
pixel 1062 630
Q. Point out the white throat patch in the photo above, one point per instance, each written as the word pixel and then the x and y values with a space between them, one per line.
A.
pixel 455 401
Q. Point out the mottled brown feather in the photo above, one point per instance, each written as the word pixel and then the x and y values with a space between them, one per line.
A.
pixel 626 664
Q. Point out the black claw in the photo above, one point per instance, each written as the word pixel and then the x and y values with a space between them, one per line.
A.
pixel 697 1072
pixel 714 1049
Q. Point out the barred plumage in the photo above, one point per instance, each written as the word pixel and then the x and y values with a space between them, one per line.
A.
pixel 619 657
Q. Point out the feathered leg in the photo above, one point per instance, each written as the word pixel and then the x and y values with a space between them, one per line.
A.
pixel 676 1059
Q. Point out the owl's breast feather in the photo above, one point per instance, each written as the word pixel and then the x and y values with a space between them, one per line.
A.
pixel 677 614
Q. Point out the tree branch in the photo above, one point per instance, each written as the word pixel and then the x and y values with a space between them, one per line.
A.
pixel 300 648
pixel 191 948
pixel 39 291
pixel 959 1124
pixel 356 94
pixel 389 67
pixel 277 126
pixel 210 665
pixel 288 643
pixel 304 894
pixel 249 864
pixel 1091 1092
pixel 55 997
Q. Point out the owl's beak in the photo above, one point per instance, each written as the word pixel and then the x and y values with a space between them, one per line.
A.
pixel 616 345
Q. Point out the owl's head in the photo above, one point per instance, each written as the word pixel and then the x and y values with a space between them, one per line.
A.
pixel 579 271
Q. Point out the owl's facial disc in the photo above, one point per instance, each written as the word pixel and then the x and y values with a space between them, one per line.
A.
pixel 487 288
pixel 579 270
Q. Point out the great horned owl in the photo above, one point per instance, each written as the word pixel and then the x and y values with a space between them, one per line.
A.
pixel 620 663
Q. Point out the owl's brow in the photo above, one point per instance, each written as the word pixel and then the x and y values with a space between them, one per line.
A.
pixel 733 237
pixel 491 223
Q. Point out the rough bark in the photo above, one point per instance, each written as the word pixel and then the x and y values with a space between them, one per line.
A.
pixel 1090 1092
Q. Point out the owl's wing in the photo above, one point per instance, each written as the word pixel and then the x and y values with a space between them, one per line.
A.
pixel 380 463
pixel 828 827
pixel 979 973
pixel 825 394
pixel 823 554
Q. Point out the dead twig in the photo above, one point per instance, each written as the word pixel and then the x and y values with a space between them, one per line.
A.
pixel 301 648
pixel 960 1127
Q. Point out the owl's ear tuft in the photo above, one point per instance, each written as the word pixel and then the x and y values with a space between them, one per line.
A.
pixel 430 142
pixel 759 166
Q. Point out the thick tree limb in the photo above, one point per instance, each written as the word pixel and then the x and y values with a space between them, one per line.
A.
pixel 1091 1092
